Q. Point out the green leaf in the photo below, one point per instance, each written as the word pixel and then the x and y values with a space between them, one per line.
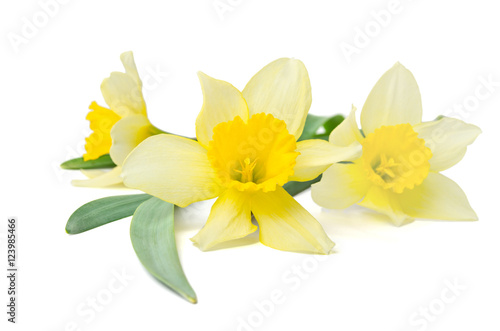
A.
pixel 103 211
pixel 315 123
pixel 294 188
pixel 152 235
pixel 103 161
pixel 332 122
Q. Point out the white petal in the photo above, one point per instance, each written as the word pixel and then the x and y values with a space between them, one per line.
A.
pixel 282 88
pixel 395 99
pixel 341 186
pixel 317 155
pixel 171 168
pixel 448 139
pixel 222 102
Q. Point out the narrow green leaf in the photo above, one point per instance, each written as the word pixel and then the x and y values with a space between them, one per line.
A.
pixel 102 211
pixel 294 188
pixel 152 235
pixel 314 123
pixel 101 162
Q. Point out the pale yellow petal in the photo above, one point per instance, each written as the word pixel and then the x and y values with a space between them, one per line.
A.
pixel 126 134
pixel 347 132
pixel 448 139
pixel 171 168
pixel 127 59
pixel 123 95
pixel 92 173
pixel 281 88
pixel 105 179
pixel 317 155
pixel 341 186
pixel 285 225
pixel 386 202
pixel 230 218
pixel 222 102
pixel 438 197
pixel 395 99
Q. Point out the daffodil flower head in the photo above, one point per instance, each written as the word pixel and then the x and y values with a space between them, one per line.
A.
pixel 252 156
pixel 117 130
pixel 397 172
pixel 246 150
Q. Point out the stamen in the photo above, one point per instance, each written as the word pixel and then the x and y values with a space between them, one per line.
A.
pixel 247 170
pixel 385 166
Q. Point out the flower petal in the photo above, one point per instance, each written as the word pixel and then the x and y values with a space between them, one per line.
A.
pixel 448 139
pixel 281 88
pixel 171 168
pixel 286 225
pixel 108 178
pixel 317 155
pixel 386 202
pixel 438 197
pixel 222 102
pixel 395 99
pixel 341 186
pixel 128 62
pixel 347 132
pixel 230 218
pixel 126 134
pixel 101 121
pixel 123 91
pixel 93 173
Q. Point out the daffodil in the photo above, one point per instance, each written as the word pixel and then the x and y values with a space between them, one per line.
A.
pixel 398 172
pixel 246 149
pixel 117 130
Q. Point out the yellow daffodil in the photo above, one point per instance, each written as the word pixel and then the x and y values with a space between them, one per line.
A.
pixel 245 151
pixel 398 171
pixel 117 130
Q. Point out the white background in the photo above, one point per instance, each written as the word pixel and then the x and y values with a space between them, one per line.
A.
pixel 379 278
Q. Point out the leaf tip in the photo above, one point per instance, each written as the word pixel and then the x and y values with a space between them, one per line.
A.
pixel 65 165
pixel 192 299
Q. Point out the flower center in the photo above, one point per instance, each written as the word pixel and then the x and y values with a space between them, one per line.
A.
pixel 101 121
pixel 257 155
pixel 395 158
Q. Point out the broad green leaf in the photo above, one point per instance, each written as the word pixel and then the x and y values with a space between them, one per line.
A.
pixel 152 235
pixel 294 188
pixel 101 162
pixel 102 211
pixel 314 123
